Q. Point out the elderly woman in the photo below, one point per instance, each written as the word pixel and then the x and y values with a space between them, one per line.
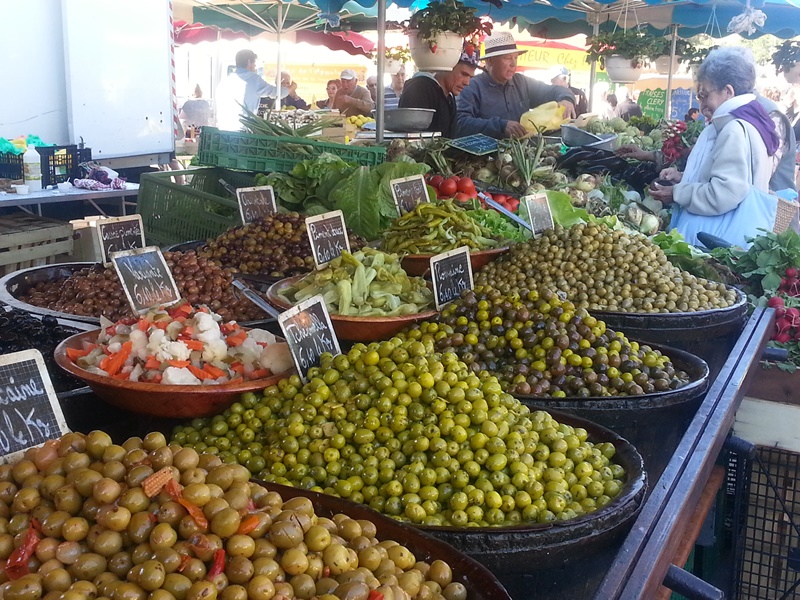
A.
pixel 723 189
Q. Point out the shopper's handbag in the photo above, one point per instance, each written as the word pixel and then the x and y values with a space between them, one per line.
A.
pixel 757 211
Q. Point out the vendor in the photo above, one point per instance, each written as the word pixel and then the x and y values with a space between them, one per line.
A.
pixel 495 100
pixel 352 99
pixel 438 91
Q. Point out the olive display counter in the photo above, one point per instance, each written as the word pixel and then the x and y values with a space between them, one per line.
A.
pixel 627 566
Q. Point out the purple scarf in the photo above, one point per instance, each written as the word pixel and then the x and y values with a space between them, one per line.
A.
pixel 758 117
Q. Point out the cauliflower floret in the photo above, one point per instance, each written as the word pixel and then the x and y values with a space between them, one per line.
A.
pixel 155 341
pixel 176 376
pixel 173 351
pixel 207 327
pixel 174 328
pixel 262 335
pixel 248 352
pixel 277 358
pixel 139 339
pixel 114 347
pixel 215 350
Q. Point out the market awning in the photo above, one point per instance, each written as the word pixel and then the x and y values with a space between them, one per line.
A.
pixel 348 41
pixel 194 33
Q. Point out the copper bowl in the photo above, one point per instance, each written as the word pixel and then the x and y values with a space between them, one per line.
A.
pixel 156 399
pixel 352 329
pixel 420 264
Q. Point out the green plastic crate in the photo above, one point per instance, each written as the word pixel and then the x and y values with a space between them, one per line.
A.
pixel 201 209
pixel 268 154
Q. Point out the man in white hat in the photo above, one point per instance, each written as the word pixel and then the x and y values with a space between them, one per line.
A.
pixel 439 91
pixel 495 100
pixel 352 99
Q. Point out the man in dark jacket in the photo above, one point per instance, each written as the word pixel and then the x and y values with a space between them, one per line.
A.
pixel 438 91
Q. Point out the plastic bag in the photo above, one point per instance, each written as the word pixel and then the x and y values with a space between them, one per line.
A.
pixel 545 117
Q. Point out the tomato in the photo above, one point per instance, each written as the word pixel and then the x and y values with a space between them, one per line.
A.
pixel 513 204
pixel 466 186
pixel 500 198
pixel 462 197
pixel 448 188
pixel 436 181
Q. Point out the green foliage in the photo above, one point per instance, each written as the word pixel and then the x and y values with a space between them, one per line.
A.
pixel 633 44
pixel 785 56
pixel 448 16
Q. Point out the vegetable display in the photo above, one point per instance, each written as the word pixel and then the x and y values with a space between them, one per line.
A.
pixel 182 346
pixel 432 228
pixel 163 522
pixel 366 283
pixel 417 435
pixel 602 269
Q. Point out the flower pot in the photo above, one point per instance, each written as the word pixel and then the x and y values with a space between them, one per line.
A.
pixel 621 70
pixel 448 51
pixel 664 66
pixel 392 67
pixel 693 71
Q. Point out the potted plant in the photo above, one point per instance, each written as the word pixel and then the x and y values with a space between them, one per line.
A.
pixel 683 49
pixel 436 34
pixel 622 53
pixel 396 57
pixel 786 59
pixel 695 56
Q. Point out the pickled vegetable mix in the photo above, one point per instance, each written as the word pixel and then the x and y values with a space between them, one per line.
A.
pixel 183 346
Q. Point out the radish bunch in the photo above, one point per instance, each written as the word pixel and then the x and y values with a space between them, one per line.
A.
pixel 787 321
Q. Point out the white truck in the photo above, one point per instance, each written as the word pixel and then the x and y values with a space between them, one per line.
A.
pixel 91 71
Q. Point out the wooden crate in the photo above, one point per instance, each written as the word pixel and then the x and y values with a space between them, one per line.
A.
pixel 30 241
pixel 342 133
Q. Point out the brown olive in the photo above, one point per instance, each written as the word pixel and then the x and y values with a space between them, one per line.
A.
pixel 106 491
pixel 120 564
pixel 129 591
pixel 267 567
pixel 88 566
pixel 86 588
pixel 68 500
pixel 160 458
pixel 57 579
pixel 185 459
pixel 226 522
pixel 83 479
pixel 28 587
pixel 114 452
pixel 96 443
pixel 50 485
pixel 233 592
pixel 26 500
pixel 202 590
pixel 194 569
pixel 107 544
pixel 68 552
pixel 171 513
pixel 239 570
pixel 194 475
pixel 177 585
pixel 138 474
pixel 163 536
pixel 115 518
pixel 22 470
pixel 154 440
pixel 151 575
pixel 46 549
pixel 75 529
pixel 286 534
pixel 135 500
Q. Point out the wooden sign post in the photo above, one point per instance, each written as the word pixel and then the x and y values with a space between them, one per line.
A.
pixel 146 278
pixel 408 192
pixel 451 273
pixel 309 332
pixel 328 236
pixel 29 410
pixel 256 203
pixel 118 234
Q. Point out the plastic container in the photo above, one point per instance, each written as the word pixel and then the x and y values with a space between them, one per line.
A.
pixel 58 163
pixel 202 209
pixel 32 169
pixel 261 153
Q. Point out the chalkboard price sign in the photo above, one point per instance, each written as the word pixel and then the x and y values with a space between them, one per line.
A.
pixel 408 192
pixel 539 214
pixel 256 202
pixel 477 144
pixel 328 236
pixel 146 278
pixel 308 331
pixel 118 234
pixel 452 274
pixel 29 410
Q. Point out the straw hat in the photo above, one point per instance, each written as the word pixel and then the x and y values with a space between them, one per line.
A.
pixel 500 44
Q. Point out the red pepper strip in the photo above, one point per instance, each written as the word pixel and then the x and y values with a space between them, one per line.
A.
pixel 375 595
pixel 260 374
pixel 186 308
pixel 115 362
pixel 193 344
pixel 237 367
pixel 152 363
pixel 188 330
pixel 218 565
pixel 248 525
pixel 251 506
pixel 174 490
pixel 199 373
pixel 180 364
pixel 215 372
pixel 17 563
pixel 37 526
pixel 185 558
pixel 74 354
pixel 236 339
pixel 152 518
pixel 143 324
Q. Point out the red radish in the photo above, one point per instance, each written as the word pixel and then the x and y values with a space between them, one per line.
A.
pixel 775 302
pixel 791 272
pixel 783 325
pixel 783 338
pixel 780 312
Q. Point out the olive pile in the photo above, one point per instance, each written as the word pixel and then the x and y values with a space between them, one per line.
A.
pixel 78 519
pixel 603 269
pixel 96 291
pixel 21 331
pixel 276 245
pixel 415 435
pixel 542 346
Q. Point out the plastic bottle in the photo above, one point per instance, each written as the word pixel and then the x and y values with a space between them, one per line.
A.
pixel 32 167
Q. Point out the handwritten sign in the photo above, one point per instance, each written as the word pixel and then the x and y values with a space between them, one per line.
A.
pixel 452 274
pixel 539 214
pixel 477 144
pixel 256 202
pixel 653 103
pixel 29 410
pixel 308 331
pixel 328 236
pixel 146 278
pixel 118 234
pixel 408 192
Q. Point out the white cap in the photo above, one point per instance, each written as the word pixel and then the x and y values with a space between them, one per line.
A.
pixel 348 74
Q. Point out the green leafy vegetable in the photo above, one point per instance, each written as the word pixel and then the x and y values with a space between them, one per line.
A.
pixel 567 215
pixel 387 172
pixel 357 198
pixel 499 225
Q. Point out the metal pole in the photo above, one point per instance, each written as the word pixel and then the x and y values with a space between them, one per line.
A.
pixel 277 104
pixel 593 69
pixel 668 103
pixel 381 69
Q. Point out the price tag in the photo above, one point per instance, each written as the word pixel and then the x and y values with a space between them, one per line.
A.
pixel 477 144
pixel 29 410
pixel 452 274
pixel 146 278
pixel 539 214
pixel 408 192
pixel 118 234
pixel 309 332
pixel 256 203
pixel 328 236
